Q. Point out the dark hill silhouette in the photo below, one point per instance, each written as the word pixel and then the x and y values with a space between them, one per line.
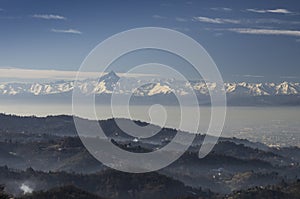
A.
pixel 65 192
pixel 50 144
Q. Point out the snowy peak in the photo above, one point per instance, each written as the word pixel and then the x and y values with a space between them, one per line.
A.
pixel 286 88
pixel 107 83
pixel 110 77
pixel 152 89
pixel 110 83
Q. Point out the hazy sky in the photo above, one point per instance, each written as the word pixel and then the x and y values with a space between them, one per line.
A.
pixel 257 39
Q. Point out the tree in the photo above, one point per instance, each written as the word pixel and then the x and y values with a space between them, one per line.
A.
pixel 3 195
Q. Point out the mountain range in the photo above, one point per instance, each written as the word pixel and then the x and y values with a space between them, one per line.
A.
pixel 237 92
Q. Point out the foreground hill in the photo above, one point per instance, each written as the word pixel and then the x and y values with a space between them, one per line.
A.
pixel 65 192
pixel 283 190
pixel 56 157
pixel 51 144
pixel 108 184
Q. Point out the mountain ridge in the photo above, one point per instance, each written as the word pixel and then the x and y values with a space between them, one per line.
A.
pixel 110 83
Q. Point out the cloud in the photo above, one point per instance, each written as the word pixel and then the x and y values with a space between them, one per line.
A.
pixel 218 34
pixel 221 9
pixel 49 16
pixel 1 9
pixel 243 21
pixel 71 31
pixel 273 21
pixel 158 17
pixel 35 74
pixel 180 19
pixel 297 40
pixel 254 76
pixel 265 31
pixel 217 20
pixel 277 11
pixel 9 17
pixel 17 73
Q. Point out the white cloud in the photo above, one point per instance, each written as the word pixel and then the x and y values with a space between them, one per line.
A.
pixel 253 76
pixel 221 9
pixel 217 20
pixel 71 31
pixel 17 73
pixel 247 21
pixel 273 21
pixel 158 17
pixel 35 74
pixel 218 34
pixel 278 11
pixel 49 16
pixel 265 31
pixel 180 19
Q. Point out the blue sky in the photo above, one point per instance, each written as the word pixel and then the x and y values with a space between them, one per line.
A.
pixel 249 40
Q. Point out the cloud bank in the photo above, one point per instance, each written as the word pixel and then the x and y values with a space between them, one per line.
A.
pixel 265 31
pixel 35 74
pixel 71 31
pixel 221 9
pixel 216 20
pixel 277 11
pixel 49 16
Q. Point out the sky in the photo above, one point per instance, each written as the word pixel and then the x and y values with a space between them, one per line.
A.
pixel 257 40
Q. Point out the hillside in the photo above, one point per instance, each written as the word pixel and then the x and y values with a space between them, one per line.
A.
pixel 45 153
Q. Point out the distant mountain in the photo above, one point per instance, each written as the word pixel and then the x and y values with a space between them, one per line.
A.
pixel 109 83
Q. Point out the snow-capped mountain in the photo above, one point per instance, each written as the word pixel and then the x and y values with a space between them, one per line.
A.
pixel 110 83
pixel 152 89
